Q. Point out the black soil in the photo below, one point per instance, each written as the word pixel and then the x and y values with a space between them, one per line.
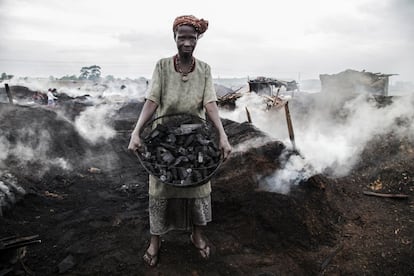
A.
pixel 98 220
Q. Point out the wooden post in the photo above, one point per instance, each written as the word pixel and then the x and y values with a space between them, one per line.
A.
pixel 290 127
pixel 386 85
pixel 9 93
pixel 249 118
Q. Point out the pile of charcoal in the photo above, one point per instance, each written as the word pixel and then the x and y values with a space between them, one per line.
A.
pixel 180 153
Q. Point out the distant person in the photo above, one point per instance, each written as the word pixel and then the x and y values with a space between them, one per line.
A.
pixel 51 98
pixel 180 84
pixel 38 97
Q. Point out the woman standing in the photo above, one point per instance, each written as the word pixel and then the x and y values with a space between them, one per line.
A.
pixel 180 84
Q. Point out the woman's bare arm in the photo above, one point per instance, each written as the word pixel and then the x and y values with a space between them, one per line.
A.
pixel 146 113
pixel 213 114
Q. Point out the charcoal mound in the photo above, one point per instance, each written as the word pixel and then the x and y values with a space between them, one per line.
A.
pixel 42 132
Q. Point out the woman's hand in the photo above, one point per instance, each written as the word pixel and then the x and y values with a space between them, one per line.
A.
pixel 147 111
pixel 135 142
pixel 225 147
pixel 213 114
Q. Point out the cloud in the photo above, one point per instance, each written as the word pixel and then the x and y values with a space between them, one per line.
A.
pixel 396 17
pixel 143 43
pixel 127 38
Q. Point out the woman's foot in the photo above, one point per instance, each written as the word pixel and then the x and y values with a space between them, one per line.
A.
pixel 201 245
pixel 150 259
pixel 151 255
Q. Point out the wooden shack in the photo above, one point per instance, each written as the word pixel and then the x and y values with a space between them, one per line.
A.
pixel 352 81
pixel 270 86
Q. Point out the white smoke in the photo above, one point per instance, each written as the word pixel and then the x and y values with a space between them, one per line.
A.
pixel 61 162
pixel 114 90
pixel 336 145
pixel 93 123
pixel 126 90
pixel 4 148
pixel 32 150
pixel 10 191
pixel 295 169
pixel 254 103
pixel 248 144
pixel 331 131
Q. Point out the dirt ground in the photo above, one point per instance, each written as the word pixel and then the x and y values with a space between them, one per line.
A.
pixel 96 222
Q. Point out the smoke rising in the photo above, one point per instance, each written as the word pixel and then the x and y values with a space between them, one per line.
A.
pixel 106 90
pixel 10 191
pixel 93 123
pixel 29 146
pixel 333 138
pixel 295 169
pixel 331 131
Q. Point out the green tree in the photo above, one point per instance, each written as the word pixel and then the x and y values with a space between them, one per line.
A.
pixel 84 73
pixel 110 78
pixel 92 72
pixel 95 72
pixel 67 77
pixel 4 76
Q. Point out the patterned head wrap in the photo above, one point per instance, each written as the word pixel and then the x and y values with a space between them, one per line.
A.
pixel 200 25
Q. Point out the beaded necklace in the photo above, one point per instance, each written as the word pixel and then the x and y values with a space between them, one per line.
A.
pixel 184 75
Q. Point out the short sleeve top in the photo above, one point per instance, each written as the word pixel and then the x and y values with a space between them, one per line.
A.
pixel 173 95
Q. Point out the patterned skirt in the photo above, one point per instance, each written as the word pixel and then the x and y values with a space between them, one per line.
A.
pixel 178 213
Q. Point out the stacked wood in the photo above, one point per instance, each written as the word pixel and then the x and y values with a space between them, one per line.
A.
pixel 229 100
pixel 274 102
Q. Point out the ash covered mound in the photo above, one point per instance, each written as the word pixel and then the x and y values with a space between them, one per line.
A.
pixel 33 142
pixel 264 223
pixel 35 139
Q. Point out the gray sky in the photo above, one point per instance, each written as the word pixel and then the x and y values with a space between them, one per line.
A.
pixel 256 38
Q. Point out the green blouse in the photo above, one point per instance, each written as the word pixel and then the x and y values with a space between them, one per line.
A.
pixel 173 95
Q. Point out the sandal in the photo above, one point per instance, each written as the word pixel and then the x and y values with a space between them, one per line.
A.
pixel 203 251
pixel 152 259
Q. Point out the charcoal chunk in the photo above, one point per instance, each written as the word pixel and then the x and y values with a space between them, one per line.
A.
pixel 180 152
